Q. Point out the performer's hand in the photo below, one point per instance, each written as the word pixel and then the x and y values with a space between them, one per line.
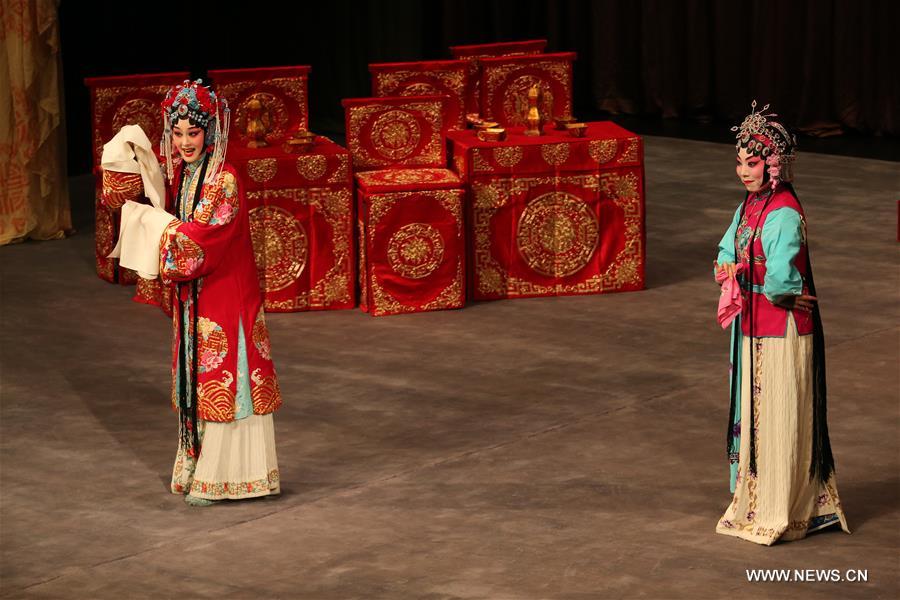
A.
pixel 729 268
pixel 801 302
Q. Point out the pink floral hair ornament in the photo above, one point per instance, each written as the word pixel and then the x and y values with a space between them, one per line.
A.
pixel 762 136
pixel 199 104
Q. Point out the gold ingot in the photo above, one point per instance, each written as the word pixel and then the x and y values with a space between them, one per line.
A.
pixel 577 129
pixel 494 134
pixel 482 125
pixel 562 122
pixel 300 141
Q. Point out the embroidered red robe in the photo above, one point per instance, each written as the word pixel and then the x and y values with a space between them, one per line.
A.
pixel 214 248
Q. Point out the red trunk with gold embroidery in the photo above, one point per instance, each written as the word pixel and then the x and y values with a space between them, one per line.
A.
pixel 505 82
pixel 447 77
pixel 300 204
pixel 473 54
pixel 411 241
pixel 553 214
pixel 301 222
pixel 410 206
pixel 267 103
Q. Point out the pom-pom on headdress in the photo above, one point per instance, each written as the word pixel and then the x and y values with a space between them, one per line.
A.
pixel 196 102
pixel 765 137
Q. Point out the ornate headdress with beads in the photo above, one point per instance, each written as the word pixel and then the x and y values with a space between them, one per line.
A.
pixel 196 102
pixel 765 137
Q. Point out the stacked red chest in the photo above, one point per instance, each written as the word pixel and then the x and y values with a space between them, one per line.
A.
pixel 116 102
pixel 410 206
pixel 473 54
pixel 300 203
pixel 425 78
pixel 553 214
pixel 505 82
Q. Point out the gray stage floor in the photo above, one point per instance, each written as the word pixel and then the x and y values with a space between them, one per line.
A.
pixel 552 448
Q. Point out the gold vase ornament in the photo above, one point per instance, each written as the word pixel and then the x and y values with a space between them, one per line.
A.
pixel 257 124
pixel 533 120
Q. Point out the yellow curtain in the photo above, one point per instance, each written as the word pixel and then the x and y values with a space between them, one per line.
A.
pixel 34 195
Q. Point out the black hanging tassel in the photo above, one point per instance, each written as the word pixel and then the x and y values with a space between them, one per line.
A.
pixel 821 463
pixel 822 460
pixel 735 387
pixel 187 410
pixel 186 424
pixel 185 416
pixel 195 434
pixel 752 370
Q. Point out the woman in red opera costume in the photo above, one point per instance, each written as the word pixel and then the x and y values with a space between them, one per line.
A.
pixel 782 468
pixel 223 381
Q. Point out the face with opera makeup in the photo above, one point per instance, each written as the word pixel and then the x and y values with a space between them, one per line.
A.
pixel 750 170
pixel 189 139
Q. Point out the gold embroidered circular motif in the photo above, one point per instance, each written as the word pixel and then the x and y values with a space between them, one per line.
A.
pixel 396 134
pixel 312 167
pixel 515 99
pixel 262 169
pixel 555 154
pixel 280 246
pixel 139 111
pixel 557 234
pixel 415 250
pixel 490 281
pixel 603 151
pixel 624 187
pixel 508 156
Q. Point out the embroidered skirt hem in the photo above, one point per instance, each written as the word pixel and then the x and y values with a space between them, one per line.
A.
pixel 237 460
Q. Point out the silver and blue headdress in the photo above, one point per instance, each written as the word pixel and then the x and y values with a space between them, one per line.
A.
pixel 198 104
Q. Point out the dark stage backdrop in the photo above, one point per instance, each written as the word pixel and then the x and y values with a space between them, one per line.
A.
pixel 825 65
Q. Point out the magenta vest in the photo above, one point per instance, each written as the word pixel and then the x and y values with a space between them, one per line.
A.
pixel 768 320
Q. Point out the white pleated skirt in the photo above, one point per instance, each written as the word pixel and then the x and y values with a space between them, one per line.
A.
pixel 779 502
pixel 237 460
